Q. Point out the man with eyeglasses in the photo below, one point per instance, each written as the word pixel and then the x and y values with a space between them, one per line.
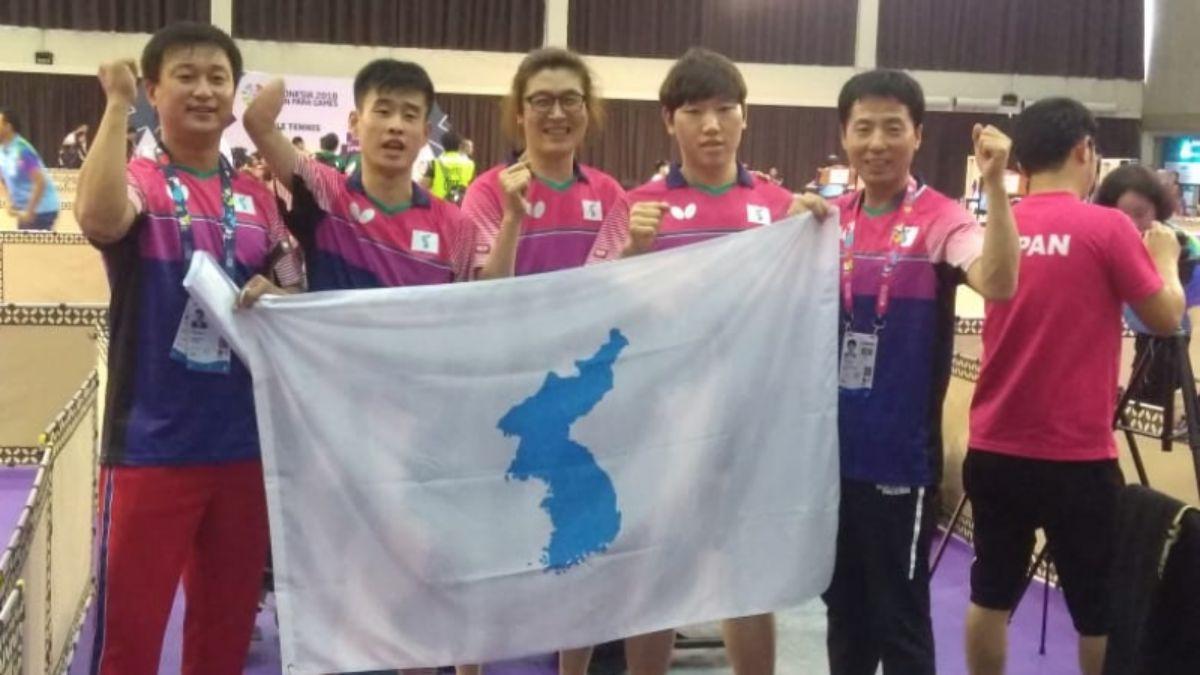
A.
pixel 546 211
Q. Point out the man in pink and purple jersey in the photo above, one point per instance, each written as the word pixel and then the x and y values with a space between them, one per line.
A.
pixel 707 195
pixel 1039 458
pixel 905 250
pixel 181 481
pixel 375 227
pixel 546 211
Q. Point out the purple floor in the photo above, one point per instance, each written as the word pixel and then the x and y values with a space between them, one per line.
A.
pixel 949 595
pixel 950 591
pixel 15 483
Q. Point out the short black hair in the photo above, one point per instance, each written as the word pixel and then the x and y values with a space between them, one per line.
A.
pixel 701 74
pixel 1046 131
pixel 1140 180
pixel 383 75
pixel 329 142
pixel 188 34
pixel 451 142
pixel 11 117
pixel 240 157
pixel 883 83
pixel 297 140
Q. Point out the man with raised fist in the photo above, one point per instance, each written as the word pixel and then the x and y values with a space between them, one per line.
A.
pixel 181 486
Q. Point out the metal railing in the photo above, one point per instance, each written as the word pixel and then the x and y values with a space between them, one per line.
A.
pixel 46 571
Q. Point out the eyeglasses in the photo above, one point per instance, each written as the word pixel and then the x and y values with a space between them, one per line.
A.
pixel 542 104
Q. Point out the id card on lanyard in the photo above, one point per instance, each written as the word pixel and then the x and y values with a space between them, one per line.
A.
pixel 197 343
pixel 859 349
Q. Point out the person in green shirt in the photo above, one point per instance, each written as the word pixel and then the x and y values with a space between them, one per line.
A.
pixel 328 154
pixel 449 174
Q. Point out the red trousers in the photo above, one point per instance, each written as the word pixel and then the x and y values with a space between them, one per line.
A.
pixel 204 523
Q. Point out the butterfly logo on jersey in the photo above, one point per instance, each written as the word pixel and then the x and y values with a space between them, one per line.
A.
pixel 363 216
pixel 537 210
pixel 592 210
pixel 683 213
pixel 759 215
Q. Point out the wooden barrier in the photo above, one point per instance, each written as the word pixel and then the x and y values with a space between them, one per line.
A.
pixel 50 267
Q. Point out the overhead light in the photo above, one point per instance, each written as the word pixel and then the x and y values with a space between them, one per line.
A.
pixel 939 103
pixel 968 104
pixel 1105 107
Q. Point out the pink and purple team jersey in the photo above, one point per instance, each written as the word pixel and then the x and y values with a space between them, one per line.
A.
pixel 352 241
pixel 581 222
pixel 891 434
pixel 159 412
pixel 698 213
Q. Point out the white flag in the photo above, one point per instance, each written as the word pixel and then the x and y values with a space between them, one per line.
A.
pixel 481 471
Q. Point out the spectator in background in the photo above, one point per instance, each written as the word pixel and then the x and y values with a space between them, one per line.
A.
pixel 260 169
pixel 241 159
pixel 774 176
pixel 1142 196
pixel 1139 193
pixel 1170 179
pixel 1147 200
pixel 661 168
pixel 254 166
pixel 74 148
pixel 351 155
pixel 449 175
pixel 328 154
pixel 298 144
pixel 468 148
pixel 29 193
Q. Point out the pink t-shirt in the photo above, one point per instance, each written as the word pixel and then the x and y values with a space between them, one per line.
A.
pixel 697 214
pixel 1048 385
pixel 582 222
pixel 352 241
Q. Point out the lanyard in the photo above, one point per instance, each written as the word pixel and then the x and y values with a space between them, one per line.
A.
pixel 228 222
pixel 883 300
